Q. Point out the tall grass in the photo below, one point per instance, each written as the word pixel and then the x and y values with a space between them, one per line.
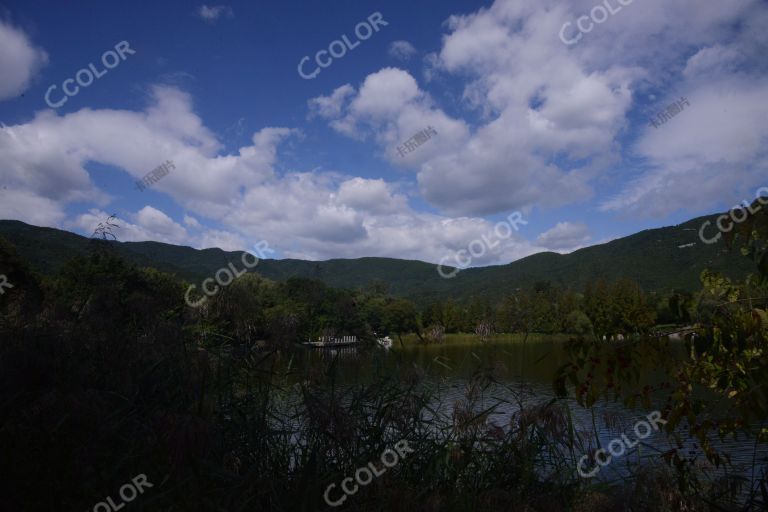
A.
pixel 234 431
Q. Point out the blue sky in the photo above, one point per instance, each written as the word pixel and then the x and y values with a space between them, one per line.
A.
pixel 538 107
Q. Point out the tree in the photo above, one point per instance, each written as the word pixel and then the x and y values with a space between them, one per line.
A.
pixel 21 291
pixel 239 309
pixel 577 322
pixel 528 310
pixel 401 317
pixel 721 388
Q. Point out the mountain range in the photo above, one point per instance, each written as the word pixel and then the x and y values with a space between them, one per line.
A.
pixel 659 259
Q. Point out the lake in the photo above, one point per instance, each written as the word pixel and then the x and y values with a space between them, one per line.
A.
pixel 524 374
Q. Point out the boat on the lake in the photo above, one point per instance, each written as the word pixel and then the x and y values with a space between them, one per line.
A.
pixel 332 342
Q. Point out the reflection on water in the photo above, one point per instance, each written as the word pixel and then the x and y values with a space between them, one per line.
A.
pixel 523 374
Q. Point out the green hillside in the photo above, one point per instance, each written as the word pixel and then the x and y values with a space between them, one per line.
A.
pixel 659 259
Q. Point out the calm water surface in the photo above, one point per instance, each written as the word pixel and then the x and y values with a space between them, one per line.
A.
pixel 528 368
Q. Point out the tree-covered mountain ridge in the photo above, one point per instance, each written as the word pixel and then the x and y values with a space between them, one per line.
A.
pixel 660 259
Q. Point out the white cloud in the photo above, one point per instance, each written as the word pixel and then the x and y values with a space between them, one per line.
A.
pixel 401 50
pixel 462 173
pixel 714 151
pixel 20 61
pixel 316 215
pixel 151 224
pixel 565 237
pixel 715 59
pixel 147 224
pixel 191 222
pixel 25 205
pixel 537 124
pixel 214 12
pixel 161 224
pixel 373 196
pixel 331 106
pixel 385 94
pixel 225 240
pixel 553 117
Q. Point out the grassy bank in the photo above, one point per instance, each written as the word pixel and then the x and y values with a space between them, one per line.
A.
pixel 473 339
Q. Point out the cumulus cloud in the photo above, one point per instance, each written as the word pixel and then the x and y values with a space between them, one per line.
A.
pixel 538 101
pixel 716 59
pixel 20 204
pixel 331 106
pixel 565 237
pixel 151 224
pixel 463 173
pixel 20 61
pixel 374 196
pixel 225 240
pixel 715 150
pixel 536 124
pixel 401 50
pixel 308 214
pixel 212 13
pixel 147 224
pixel 553 118
pixel 390 107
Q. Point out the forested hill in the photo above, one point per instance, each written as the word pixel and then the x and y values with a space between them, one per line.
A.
pixel 659 259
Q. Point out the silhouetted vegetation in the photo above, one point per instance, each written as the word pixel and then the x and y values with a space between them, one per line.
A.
pixel 106 373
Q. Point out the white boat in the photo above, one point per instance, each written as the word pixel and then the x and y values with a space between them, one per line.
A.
pixel 332 341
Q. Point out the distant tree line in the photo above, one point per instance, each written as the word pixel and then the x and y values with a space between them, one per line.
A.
pixel 601 309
